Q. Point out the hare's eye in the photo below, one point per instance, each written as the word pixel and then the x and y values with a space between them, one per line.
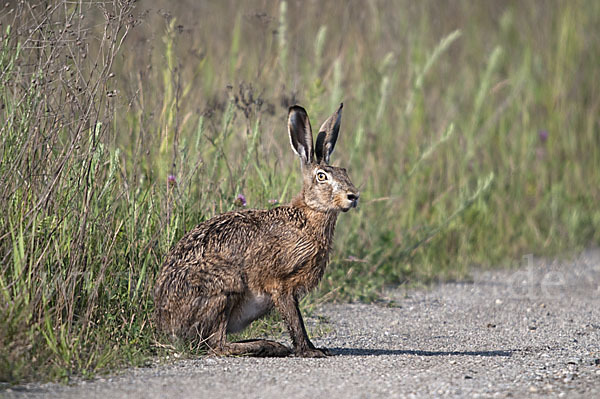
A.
pixel 321 176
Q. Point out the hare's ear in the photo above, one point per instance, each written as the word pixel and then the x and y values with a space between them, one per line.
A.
pixel 300 133
pixel 328 134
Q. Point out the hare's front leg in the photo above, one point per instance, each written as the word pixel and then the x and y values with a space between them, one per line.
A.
pixel 287 305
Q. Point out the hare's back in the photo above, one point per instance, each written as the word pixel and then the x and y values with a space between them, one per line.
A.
pixel 235 233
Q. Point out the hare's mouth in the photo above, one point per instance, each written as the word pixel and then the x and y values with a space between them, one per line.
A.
pixel 353 204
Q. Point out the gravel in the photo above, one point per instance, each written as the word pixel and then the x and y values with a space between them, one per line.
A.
pixel 527 332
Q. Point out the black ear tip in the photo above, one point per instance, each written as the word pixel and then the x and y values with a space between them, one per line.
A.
pixel 341 105
pixel 296 108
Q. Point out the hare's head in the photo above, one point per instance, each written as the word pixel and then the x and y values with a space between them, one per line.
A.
pixel 326 188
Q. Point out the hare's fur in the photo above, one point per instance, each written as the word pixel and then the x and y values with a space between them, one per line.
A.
pixel 235 267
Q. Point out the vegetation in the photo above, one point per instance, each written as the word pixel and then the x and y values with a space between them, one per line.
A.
pixel 471 128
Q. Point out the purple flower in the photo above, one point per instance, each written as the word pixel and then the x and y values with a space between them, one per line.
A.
pixel 240 200
pixel 543 135
pixel 273 201
pixel 171 180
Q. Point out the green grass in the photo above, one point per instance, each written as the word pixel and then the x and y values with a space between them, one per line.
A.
pixel 444 109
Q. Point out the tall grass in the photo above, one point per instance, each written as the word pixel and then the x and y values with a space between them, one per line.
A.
pixel 471 130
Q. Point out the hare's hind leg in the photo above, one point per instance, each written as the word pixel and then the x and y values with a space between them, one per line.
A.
pixel 217 340
pixel 257 348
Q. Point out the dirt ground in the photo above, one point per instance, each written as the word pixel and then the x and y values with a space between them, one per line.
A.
pixel 527 332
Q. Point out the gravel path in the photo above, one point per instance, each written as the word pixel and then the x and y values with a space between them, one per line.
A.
pixel 531 332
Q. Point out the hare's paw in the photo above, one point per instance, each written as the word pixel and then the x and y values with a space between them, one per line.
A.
pixel 255 347
pixel 313 352
pixel 326 351
pixel 274 349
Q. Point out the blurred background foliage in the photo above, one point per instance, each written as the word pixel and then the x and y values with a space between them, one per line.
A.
pixel 471 129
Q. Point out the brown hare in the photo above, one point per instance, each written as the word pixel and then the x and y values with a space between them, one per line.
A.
pixel 234 268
